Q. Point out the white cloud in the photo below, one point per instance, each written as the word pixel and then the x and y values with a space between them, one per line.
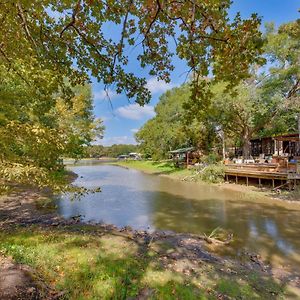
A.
pixel 117 140
pixel 135 111
pixel 155 86
pixel 134 130
pixel 105 95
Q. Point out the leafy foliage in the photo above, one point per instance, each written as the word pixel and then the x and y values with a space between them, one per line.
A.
pixel 50 48
pixel 164 131
pixel 52 35
pixel 38 129
pixel 168 131
pixel 213 173
pixel 263 105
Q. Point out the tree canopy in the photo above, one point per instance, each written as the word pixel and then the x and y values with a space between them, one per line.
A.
pixel 264 104
pixel 115 150
pixel 70 39
pixel 168 130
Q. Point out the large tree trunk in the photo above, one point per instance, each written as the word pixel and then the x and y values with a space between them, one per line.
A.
pixel 246 144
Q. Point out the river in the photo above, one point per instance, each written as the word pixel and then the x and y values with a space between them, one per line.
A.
pixel 129 197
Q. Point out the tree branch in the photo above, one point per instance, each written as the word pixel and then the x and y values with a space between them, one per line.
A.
pixel 73 20
pixel 24 24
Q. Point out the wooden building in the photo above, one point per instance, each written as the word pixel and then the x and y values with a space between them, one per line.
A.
pixel 182 156
pixel 282 145
pixel 288 144
pixel 275 159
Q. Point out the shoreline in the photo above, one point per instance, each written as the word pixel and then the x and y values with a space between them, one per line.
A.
pixel 262 193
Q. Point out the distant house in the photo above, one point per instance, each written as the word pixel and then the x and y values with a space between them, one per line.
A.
pixel 132 155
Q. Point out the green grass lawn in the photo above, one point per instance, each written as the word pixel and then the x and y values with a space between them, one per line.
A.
pixel 154 167
pixel 90 264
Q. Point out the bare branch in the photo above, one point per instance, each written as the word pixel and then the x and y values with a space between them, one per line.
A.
pixel 89 43
pixel 159 9
pixel 121 43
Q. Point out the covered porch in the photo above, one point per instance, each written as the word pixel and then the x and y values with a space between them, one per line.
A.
pixel 182 156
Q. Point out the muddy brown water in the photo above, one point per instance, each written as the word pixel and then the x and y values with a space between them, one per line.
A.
pixel 129 197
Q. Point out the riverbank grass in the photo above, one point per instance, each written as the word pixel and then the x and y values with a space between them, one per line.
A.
pixel 86 263
pixel 155 167
pixel 212 173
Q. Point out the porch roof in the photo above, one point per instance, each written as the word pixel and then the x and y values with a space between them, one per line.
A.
pixel 182 150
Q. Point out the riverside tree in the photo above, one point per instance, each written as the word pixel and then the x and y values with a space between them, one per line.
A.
pixel 266 103
pixel 38 129
pixel 269 104
pixel 168 130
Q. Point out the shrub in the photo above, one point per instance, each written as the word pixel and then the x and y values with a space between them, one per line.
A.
pixel 213 173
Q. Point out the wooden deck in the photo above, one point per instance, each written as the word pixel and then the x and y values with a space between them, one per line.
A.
pixel 271 172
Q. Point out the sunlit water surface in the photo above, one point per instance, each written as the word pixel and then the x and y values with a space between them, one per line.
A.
pixel 132 198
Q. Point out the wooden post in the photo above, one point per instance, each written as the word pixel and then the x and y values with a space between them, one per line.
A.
pixel 259 182
pixel 187 159
pixel 247 181
pixel 273 183
pixel 299 125
pixel 236 179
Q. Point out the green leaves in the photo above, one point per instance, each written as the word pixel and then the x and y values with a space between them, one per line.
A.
pixel 55 35
pixel 37 129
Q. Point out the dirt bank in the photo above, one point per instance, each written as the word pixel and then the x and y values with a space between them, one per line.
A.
pixel 21 282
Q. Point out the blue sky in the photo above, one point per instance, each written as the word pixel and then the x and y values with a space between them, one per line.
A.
pixel 123 118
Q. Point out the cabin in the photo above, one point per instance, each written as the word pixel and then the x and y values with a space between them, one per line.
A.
pixel 130 156
pixel 275 159
pixel 281 145
pixel 287 145
pixel 182 156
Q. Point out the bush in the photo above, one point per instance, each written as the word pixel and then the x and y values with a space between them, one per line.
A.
pixel 213 173
pixel 211 158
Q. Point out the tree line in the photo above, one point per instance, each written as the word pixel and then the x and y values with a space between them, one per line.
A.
pixel 97 151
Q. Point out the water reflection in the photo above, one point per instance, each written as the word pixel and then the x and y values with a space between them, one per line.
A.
pixel 143 201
